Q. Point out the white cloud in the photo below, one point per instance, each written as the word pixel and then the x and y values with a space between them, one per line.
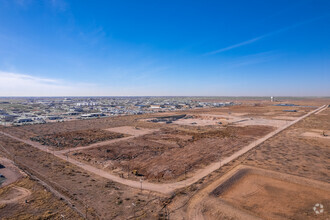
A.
pixel 16 84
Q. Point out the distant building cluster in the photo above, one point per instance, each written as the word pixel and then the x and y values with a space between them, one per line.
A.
pixel 21 111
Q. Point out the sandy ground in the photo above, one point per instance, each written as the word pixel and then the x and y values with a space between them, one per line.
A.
pixel 11 172
pixel 266 194
pixel 316 133
pixel 167 155
pixel 197 122
pixel 74 139
pixel 135 131
pixel 26 199
pixel 287 152
pixel 170 187
pixel 20 196
pixel 237 119
pixel 252 193
pixel 83 184
pixel 15 194
pixel 289 118
pixel 266 197
pixel 105 199
pixel 292 152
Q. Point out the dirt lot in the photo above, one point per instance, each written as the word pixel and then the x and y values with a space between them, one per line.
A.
pixel 73 139
pixel 10 171
pixel 104 199
pixel 272 195
pixel 41 204
pixel 293 153
pixel 289 152
pixel 129 130
pixel 236 119
pixel 169 154
pixel 268 110
pixel 317 133
pixel 14 194
pixel 24 198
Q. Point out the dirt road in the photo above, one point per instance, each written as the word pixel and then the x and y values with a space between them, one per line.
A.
pixel 204 201
pixel 166 188
pixel 196 204
pixel 11 172
pixel 16 194
pixel 103 143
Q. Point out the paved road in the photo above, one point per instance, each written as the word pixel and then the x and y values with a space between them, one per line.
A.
pixel 166 188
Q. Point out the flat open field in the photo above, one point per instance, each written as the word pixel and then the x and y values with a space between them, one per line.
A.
pixel 237 119
pixel 104 199
pixel 26 199
pixel 291 153
pixel 73 139
pixel 167 153
pixel 10 171
pixel 179 149
pixel 272 195
pixel 268 111
pixel 170 153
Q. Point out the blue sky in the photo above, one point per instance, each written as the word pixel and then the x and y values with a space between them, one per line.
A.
pixel 203 48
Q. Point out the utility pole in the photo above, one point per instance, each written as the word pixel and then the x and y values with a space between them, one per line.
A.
pixel 86 210
pixel 134 209
pixel 67 154
pixel 141 180
pixel 185 171
pixel 185 175
pixel 219 160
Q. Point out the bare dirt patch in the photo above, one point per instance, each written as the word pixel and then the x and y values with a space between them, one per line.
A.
pixel 272 195
pixel 14 194
pixel 170 154
pixel 76 138
pixel 40 204
pixel 105 199
pixel 289 118
pixel 316 133
pixel 293 153
pixel 135 131
pixel 235 119
pixel 10 171
pixel 197 122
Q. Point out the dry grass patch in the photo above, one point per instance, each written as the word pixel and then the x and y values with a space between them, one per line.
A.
pixel 76 138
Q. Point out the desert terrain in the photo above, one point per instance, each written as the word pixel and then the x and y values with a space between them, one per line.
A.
pixel 292 179
pixel 152 169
